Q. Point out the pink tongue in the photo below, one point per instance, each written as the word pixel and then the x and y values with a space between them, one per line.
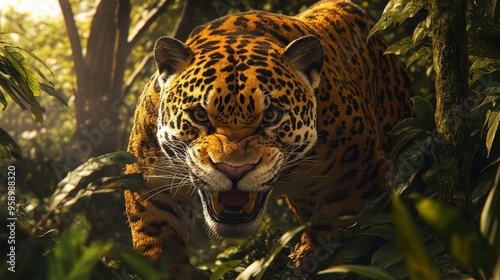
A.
pixel 233 198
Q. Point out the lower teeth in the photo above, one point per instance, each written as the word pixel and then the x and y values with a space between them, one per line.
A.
pixel 233 212
pixel 247 207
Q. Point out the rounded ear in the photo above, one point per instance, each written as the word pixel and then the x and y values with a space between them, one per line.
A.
pixel 170 55
pixel 306 55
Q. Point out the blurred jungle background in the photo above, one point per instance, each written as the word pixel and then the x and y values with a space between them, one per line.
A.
pixel 71 73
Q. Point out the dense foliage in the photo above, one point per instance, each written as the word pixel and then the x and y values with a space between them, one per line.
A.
pixel 70 207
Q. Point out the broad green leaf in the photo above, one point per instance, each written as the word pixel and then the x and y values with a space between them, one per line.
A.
pixel 462 240
pixel 360 246
pixel 136 261
pixel 396 12
pixel 71 259
pixel 424 111
pixel 224 267
pixel 14 92
pixel 401 47
pixel 410 241
pixel 484 45
pixel 38 60
pixel 493 90
pixel 387 255
pixel 388 17
pixel 411 9
pixel 68 250
pixel 383 231
pixel 19 80
pixel 363 270
pixel 50 90
pixel 132 182
pixel 483 66
pixel 70 186
pixel 3 101
pixel 492 121
pixel 490 216
pixel 20 87
pixel 409 125
pixel 423 53
pixel 83 268
pixel 420 32
pixel 8 147
pixel 406 140
pixel 19 61
pixel 256 269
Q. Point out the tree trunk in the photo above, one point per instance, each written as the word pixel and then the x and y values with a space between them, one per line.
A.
pixel 449 43
pixel 100 75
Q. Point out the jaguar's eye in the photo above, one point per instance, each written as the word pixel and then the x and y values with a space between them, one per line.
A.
pixel 271 116
pixel 199 116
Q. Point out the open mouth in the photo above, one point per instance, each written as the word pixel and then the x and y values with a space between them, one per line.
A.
pixel 234 206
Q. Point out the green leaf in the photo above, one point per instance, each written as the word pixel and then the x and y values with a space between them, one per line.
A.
pixel 19 80
pixel 3 101
pixel 493 91
pixel 70 258
pixel 14 91
pixel 424 112
pixel 406 141
pixel 401 47
pixel 424 121
pixel 68 250
pixel 256 269
pixel 423 53
pixel 482 67
pixel 132 182
pixel 18 60
pixel 492 122
pixel 462 240
pixel 136 261
pixel 71 186
pixel 410 241
pixel 50 90
pixel 396 12
pixel 222 268
pixel 8 147
pixel 410 10
pixel 22 85
pixel 490 216
pixel 406 126
pixel 37 59
pixel 421 31
pixel 84 266
pixel 363 270
pixel 387 255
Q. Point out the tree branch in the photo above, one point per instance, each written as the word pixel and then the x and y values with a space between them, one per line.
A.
pixel 183 25
pixel 122 48
pixel 135 74
pixel 74 39
pixel 143 25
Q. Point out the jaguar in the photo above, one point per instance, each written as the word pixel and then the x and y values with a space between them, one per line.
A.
pixel 257 105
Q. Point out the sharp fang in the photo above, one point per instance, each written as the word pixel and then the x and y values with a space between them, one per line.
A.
pixel 250 204
pixel 215 196
pixel 248 207
pixel 218 206
pixel 252 196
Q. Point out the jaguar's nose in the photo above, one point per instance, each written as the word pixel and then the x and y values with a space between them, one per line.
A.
pixel 234 173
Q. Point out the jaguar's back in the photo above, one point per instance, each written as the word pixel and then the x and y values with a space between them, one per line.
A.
pixel 259 103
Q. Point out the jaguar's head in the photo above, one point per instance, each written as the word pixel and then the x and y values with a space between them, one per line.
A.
pixel 237 114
